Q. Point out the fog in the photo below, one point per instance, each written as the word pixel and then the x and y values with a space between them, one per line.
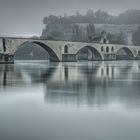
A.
pixel 24 18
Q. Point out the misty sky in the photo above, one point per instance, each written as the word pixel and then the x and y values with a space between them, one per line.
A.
pixel 24 17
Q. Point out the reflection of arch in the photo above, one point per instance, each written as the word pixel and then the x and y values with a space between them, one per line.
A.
pixel 124 53
pixel 37 73
pixel 53 55
pixel 94 53
pixel 66 49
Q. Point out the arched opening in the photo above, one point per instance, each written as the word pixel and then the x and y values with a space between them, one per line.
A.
pixel 107 49
pixel 102 49
pixel 112 49
pixel 66 49
pixel 124 54
pixel 35 51
pixel 104 41
pixel 89 53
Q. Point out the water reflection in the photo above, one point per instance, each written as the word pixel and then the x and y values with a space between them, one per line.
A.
pixel 92 84
pixel 70 101
pixel 6 72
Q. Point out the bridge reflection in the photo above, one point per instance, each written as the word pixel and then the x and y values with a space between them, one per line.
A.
pixel 92 84
pixel 96 84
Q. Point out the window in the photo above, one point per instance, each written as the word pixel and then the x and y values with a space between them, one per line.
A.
pixel 66 49
pixel 107 49
pixel 112 49
pixel 104 41
pixel 102 49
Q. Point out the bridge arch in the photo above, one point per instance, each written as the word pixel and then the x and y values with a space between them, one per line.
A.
pixel 53 56
pixel 124 53
pixel 94 53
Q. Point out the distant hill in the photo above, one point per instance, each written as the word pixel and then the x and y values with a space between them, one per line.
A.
pixel 80 27
pixel 131 16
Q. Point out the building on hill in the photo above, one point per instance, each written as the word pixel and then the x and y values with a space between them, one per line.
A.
pixel 79 32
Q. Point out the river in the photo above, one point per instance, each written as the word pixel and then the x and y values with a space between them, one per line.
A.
pixel 70 101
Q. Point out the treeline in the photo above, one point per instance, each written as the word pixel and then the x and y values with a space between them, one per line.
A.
pixel 128 17
pixel 136 37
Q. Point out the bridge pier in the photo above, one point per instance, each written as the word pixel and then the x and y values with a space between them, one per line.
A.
pixel 69 58
pixel 109 57
pixel 125 57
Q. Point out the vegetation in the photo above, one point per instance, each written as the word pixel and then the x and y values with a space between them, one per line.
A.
pixel 118 38
pixel 70 27
pixel 136 37
pixel 128 17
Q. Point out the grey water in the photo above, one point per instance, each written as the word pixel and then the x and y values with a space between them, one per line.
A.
pixel 70 101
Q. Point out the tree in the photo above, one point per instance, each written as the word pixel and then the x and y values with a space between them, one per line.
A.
pixel 90 31
pixel 77 33
pixel 51 19
pixel 136 37
pixel 129 17
pixel 118 38
pixel 89 17
pixel 102 16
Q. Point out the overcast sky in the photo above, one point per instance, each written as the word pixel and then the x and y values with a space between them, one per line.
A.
pixel 24 17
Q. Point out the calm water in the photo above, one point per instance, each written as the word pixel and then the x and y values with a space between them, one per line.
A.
pixel 70 101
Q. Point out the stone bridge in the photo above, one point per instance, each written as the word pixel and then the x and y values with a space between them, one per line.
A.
pixel 60 51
